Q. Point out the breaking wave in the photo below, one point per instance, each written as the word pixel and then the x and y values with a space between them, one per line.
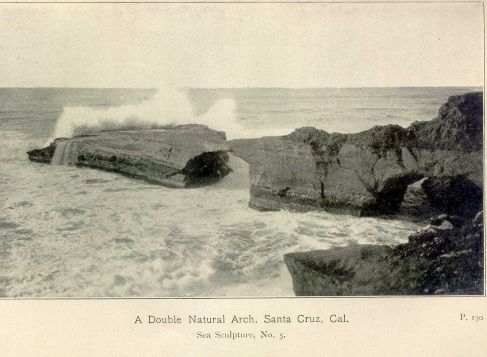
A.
pixel 168 107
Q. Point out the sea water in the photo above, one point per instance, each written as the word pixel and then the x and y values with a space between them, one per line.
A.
pixel 67 231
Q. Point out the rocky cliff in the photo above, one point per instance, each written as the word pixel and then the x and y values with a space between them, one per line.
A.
pixel 182 156
pixel 429 168
pixel 367 173
pixel 446 257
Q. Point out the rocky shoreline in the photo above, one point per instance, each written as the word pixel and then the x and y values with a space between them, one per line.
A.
pixel 432 168
pixel 440 259
pixel 444 258
pixel 366 173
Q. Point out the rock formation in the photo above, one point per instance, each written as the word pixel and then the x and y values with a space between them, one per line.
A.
pixel 43 155
pixel 447 257
pixel 429 168
pixel 432 166
pixel 366 173
pixel 184 156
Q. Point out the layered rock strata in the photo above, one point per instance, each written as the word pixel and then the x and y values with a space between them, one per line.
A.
pixel 184 156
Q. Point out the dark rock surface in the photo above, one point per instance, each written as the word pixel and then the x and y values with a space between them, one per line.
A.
pixel 43 155
pixel 205 169
pixel 430 168
pixel 445 258
pixel 341 271
pixel 183 156
pixel 454 195
pixel 367 173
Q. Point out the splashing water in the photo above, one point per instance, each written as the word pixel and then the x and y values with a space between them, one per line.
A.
pixel 75 232
pixel 168 107
pixel 65 153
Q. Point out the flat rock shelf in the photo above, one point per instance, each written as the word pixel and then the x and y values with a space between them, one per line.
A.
pixel 183 156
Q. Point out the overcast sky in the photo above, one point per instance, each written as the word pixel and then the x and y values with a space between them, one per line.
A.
pixel 229 45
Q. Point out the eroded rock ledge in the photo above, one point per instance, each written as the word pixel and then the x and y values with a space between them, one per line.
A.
pixel 444 258
pixel 183 156
pixel 366 173
pixel 429 168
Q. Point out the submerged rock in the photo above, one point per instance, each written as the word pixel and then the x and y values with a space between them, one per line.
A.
pixel 441 259
pixel 366 173
pixel 183 156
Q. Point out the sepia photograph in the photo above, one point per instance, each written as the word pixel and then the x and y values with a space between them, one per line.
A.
pixel 246 150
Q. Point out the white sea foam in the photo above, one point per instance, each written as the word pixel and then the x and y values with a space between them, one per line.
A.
pixel 65 154
pixel 166 108
pixel 68 231
pixel 100 234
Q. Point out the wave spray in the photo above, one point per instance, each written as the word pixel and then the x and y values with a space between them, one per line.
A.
pixel 168 107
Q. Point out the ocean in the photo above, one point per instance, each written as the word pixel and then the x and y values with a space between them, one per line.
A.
pixel 72 232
